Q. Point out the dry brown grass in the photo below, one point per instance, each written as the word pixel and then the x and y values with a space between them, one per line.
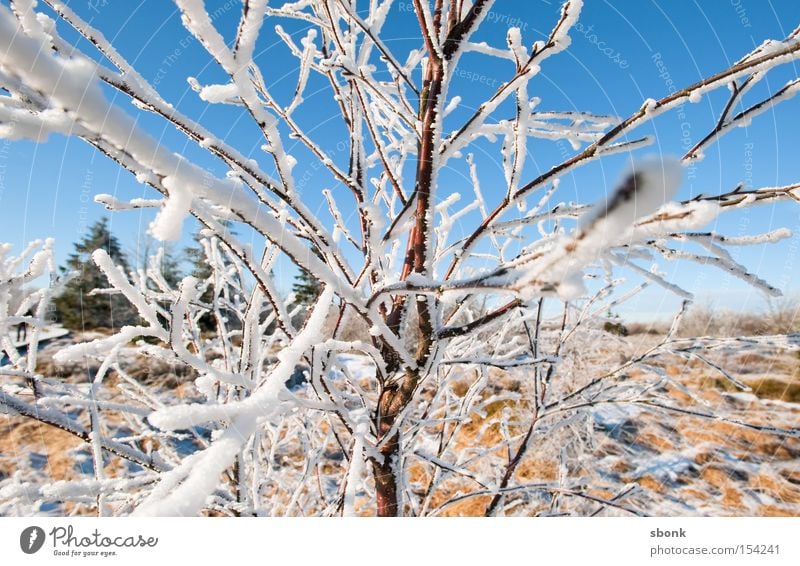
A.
pixel 654 441
pixel 781 316
pixel 716 476
pixel 21 437
pixel 774 511
pixel 772 376
pixel 652 484
pixel 536 468
pixel 776 487
pixel 732 498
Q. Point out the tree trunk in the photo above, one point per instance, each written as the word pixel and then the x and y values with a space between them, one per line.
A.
pixel 393 399
pixel 385 480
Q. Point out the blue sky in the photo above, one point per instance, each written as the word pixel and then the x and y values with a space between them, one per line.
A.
pixel 47 189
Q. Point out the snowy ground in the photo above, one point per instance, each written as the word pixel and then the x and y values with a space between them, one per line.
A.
pixel 681 466
pixel 46 335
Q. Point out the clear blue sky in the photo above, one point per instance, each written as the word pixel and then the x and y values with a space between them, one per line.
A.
pixel 47 189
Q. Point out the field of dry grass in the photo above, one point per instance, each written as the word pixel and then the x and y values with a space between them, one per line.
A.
pixel 679 466
pixel 684 465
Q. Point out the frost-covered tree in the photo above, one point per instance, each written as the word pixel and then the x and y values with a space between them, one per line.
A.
pixel 408 348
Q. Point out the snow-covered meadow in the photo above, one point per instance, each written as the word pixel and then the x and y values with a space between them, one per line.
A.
pixel 622 458
pixel 460 357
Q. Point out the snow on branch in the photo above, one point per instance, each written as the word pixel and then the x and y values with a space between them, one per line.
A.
pixel 446 327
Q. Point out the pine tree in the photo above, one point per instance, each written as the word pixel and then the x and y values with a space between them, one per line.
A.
pixel 201 267
pixel 76 308
pixel 306 288
pixel 170 267
pixel 202 270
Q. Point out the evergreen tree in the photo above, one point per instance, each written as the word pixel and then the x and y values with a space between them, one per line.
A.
pixel 202 270
pixel 201 266
pixel 306 288
pixel 75 307
pixel 170 268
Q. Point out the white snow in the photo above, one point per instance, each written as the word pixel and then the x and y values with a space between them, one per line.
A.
pixel 482 247
pixel 648 184
pixel 219 93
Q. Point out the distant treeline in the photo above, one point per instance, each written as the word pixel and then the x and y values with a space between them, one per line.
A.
pixel 80 307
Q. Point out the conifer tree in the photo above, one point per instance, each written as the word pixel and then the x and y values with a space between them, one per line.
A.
pixel 202 270
pixel 76 307
pixel 306 287
pixel 170 268
pixel 170 262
